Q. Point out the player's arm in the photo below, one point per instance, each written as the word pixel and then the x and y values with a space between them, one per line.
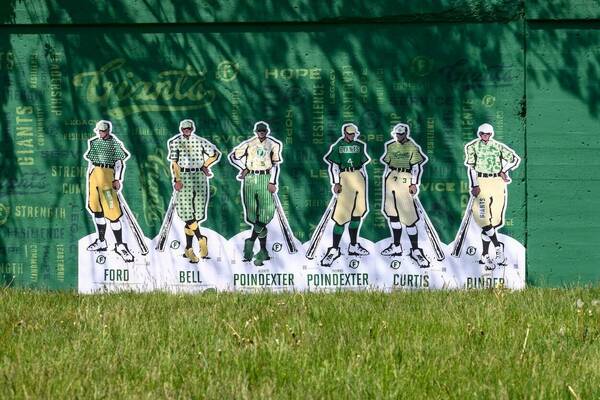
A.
pixel 238 155
pixel 332 158
pixel 212 159
pixel 119 167
pixel 417 159
pixel 212 155
pixel 334 177
pixel 237 159
pixel 121 155
pixel 509 162
pixel 173 156
pixel 275 161
pixel 176 172
pixel 470 161
pixel 274 178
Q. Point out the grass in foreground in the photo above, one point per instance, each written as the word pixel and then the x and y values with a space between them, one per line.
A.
pixel 537 343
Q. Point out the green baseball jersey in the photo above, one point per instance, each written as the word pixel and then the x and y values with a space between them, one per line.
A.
pixel 190 152
pixel 487 158
pixel 403 155
pixel 105 151
pixel 348 154
pixel 259 156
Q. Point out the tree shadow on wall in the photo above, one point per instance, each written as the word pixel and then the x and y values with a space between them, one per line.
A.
pixel 8 159
pixel 443 78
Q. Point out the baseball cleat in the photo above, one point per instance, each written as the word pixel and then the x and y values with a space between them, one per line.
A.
pixel 332 254
pixel 487 261
pixel 248 246
pixel 392 250
pixel 500 258
pixel 357 250
pixel 261 256
pixel 418 256
pixel 122 250
pixel 98 245
pixel 203 242
pixel 191 256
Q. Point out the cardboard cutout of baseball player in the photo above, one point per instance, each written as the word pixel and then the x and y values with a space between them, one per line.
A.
pixel 191 157
pixel 106 158
pixel 258 160
pixel 488 164
pixel 347 159
pixel 404 161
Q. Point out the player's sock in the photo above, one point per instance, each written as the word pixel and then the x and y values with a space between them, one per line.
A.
pixel 396 230
pixel 262 238
pixel 259 230
pixel 353 230
pixel 100 225
pixel 338 230
pixel 189 235
pixel 485 241
pixel 492 234
pixel 195 228
pixel 413 235
pixel 117 231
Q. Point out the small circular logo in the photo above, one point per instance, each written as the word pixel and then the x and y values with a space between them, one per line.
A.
pixel 354 264
pixel 100 259
pixel 488 100
pixel 3 214
pixel 227 71
pixel 175 244
pixel 277 247
pixel 471 250
pixel 421 65
pixel 395 264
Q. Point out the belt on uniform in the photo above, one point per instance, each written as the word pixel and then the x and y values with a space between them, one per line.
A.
pixel 348 169
pixel 102 165
pixel 191 169
pixel 263 172
pixel 400 169
pixel 484 175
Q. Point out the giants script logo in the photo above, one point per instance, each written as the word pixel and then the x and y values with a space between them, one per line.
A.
pixel 124 94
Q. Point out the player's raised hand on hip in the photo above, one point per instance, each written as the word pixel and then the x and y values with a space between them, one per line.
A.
pixel 206 171
pixel 475 190
pixel 178 185
pixel 337 188
pixel 243 174
pixel 272 187
pixel 116 184
pixel 412 189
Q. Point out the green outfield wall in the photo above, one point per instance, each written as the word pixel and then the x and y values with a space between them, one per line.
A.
pixel 527 67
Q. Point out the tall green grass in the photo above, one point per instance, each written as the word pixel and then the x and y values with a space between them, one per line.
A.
pixel 537 343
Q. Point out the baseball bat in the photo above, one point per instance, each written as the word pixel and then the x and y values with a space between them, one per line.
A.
pixel 459 240
pixel 318 233
pixel 431 232
pixel 137 232
pixel 285 226
pixel 165 228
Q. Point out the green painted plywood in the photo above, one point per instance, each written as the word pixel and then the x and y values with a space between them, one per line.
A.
pixel 305 80
pixel 223 11
pixel 562 9
pixel 563 154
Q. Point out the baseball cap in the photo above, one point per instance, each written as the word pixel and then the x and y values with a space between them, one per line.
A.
pixel 186 123
pixel 261 126
pixel 350 128
pixel 401 128
pixel 486 128
pixel 103 125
